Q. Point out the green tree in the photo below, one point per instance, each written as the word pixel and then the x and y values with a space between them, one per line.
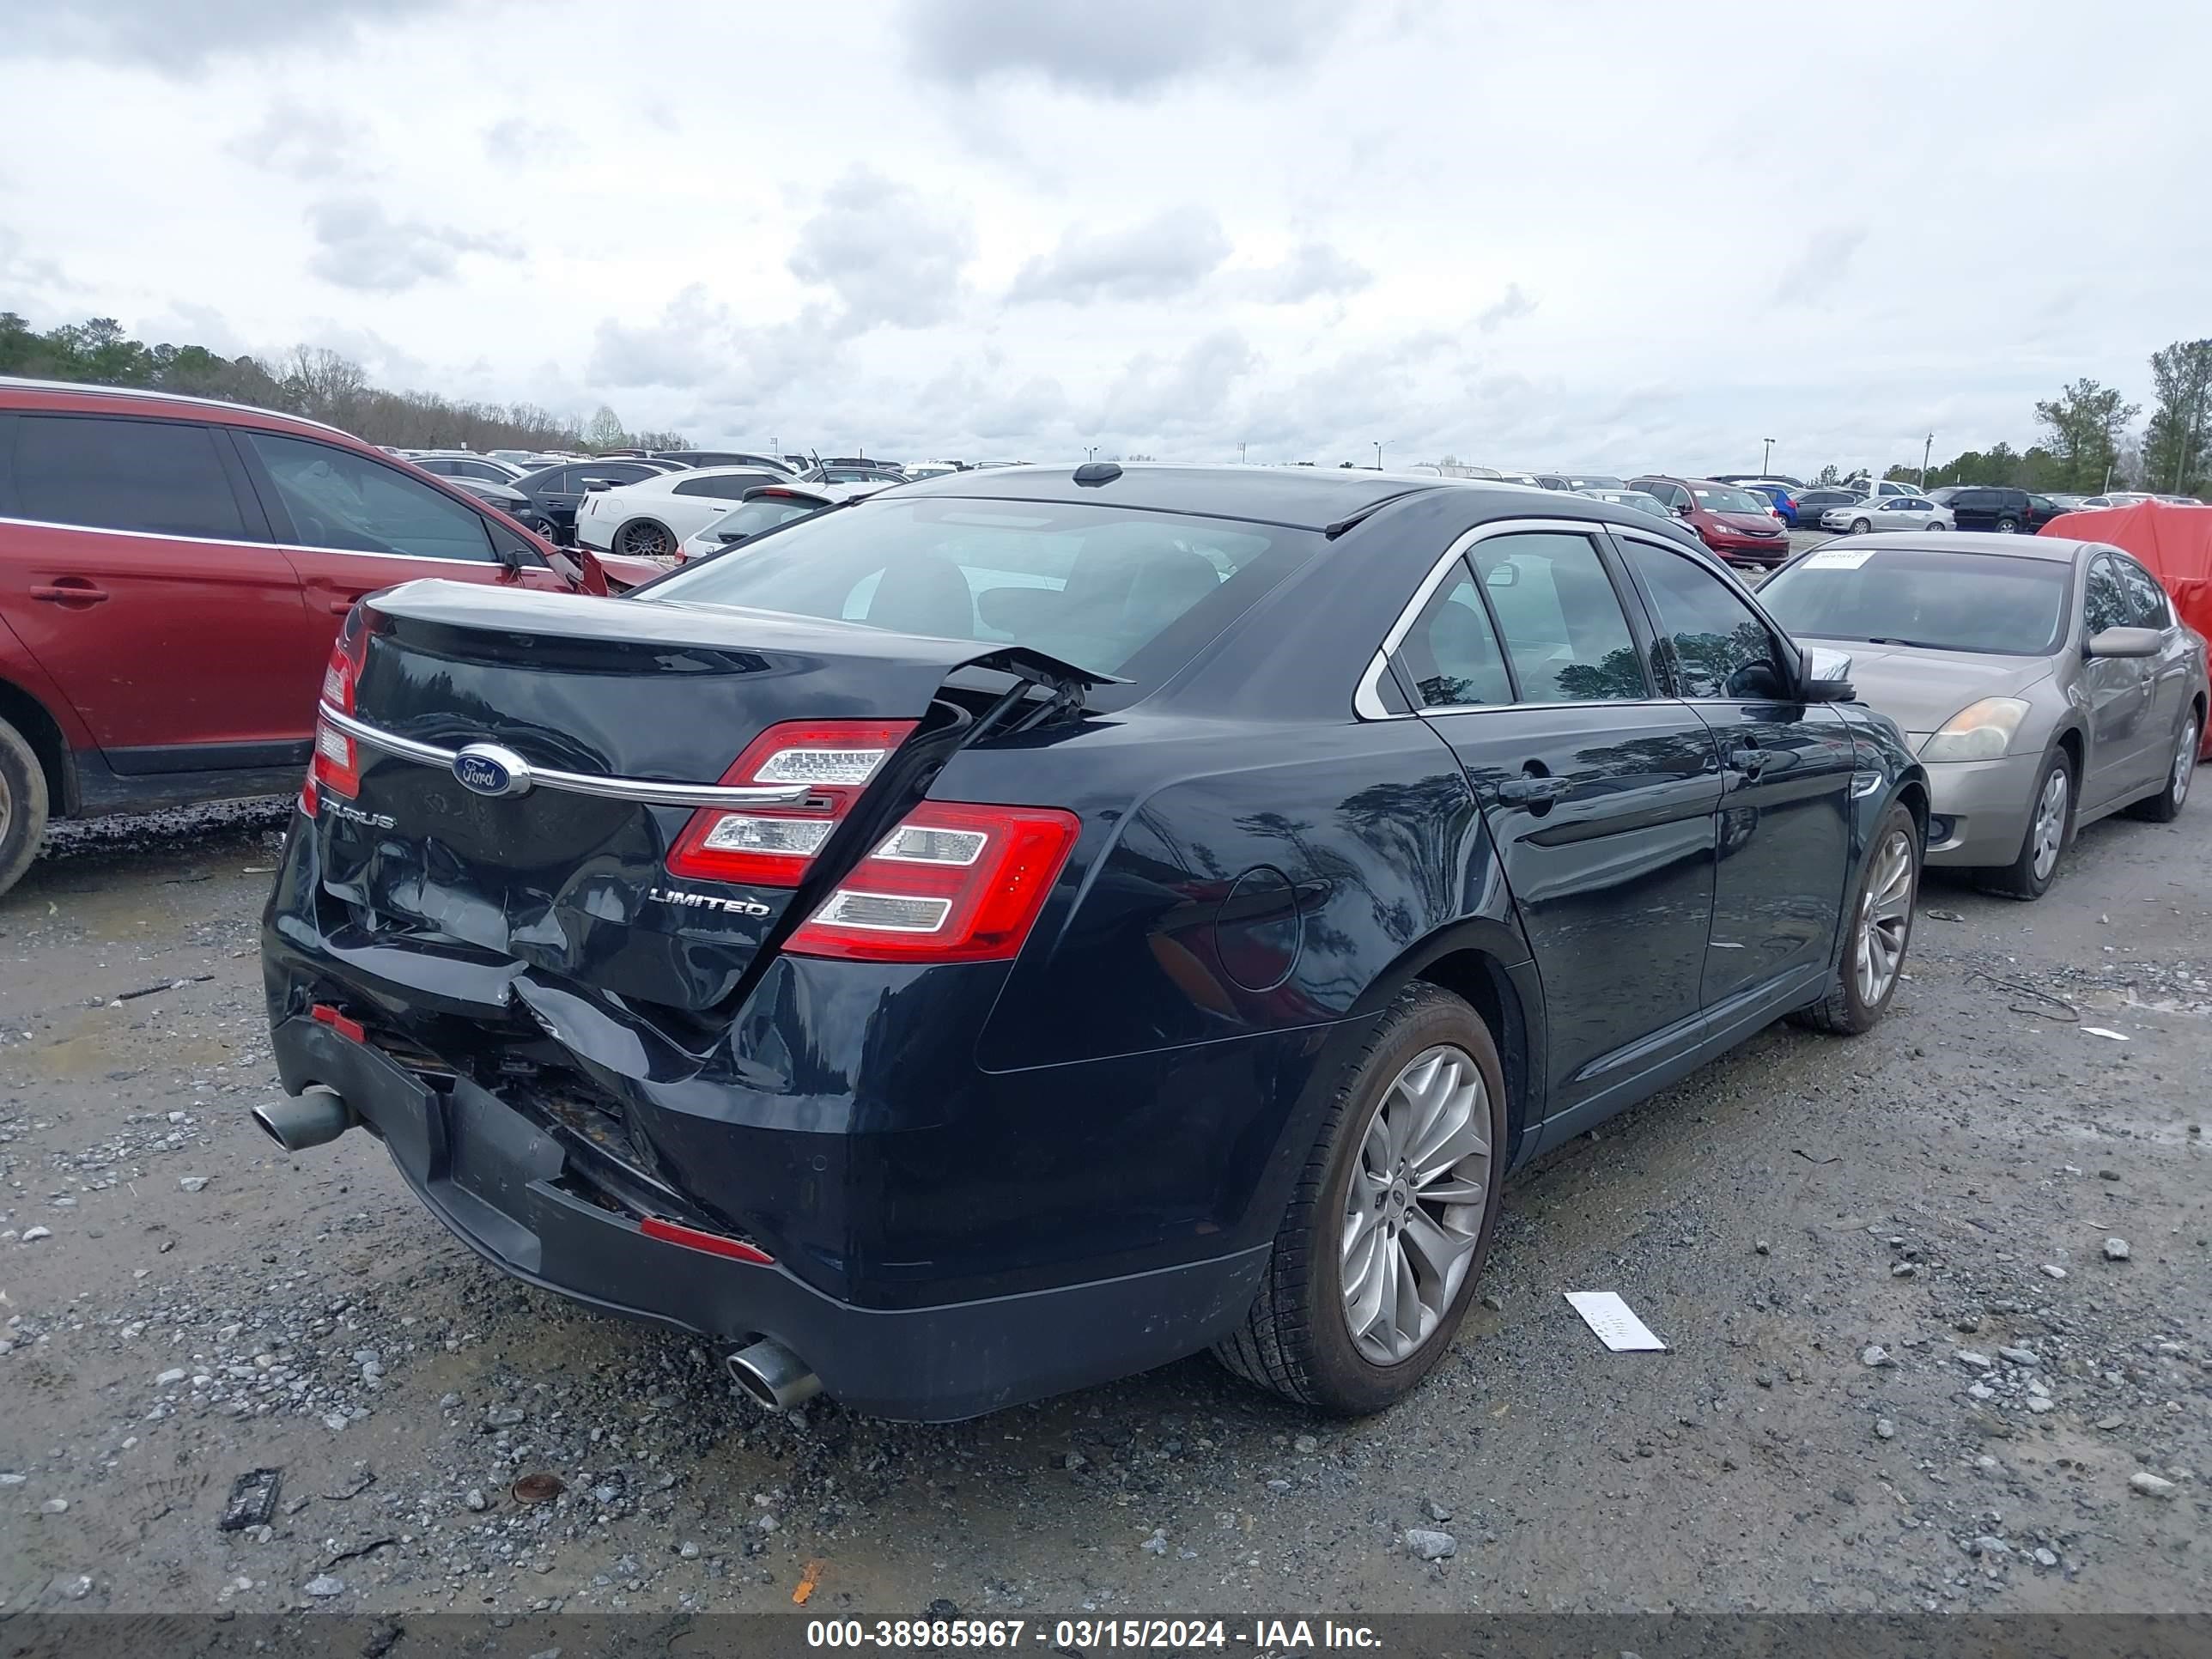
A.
pixel 1827 477
pixel 310 380
pixel 2086 420
pixel 2180 429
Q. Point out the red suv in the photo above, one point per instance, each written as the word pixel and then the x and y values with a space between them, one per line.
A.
pixel 172 573
pixel 1735 524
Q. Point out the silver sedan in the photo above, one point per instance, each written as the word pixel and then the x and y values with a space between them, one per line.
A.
pixel 1888 513
pixel 2044 682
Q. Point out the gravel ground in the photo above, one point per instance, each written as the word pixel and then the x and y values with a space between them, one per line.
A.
pixel 1906 1371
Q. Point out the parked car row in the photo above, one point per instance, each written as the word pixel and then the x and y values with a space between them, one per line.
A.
pixel 172 571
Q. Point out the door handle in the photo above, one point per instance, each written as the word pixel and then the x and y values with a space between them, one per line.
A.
pixel 72 590
pixel 1529 790
pixel 1750 762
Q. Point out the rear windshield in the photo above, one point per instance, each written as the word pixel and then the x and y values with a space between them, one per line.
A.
pixel 1122 591
pixel 1978 602
pixel 764 514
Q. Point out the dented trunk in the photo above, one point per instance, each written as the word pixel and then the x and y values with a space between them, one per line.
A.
pixel 544 781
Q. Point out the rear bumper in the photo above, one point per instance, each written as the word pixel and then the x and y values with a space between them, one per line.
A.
pixel 496 1180
pixel 1986 804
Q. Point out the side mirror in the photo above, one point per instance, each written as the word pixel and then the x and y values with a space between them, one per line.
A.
pixel 592 485
pixel 2125 642
pixel 1682 510
pixel 1503 575
pixel 1824 675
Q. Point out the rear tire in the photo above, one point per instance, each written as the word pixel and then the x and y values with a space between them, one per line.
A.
pixel 644 538
pixel 2181 767
pixel 1299 1339
pixel 1871 962
pixel 2008 525
pixel 2029 876
pixel 23 805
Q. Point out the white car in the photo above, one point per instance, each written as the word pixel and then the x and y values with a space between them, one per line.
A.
pixel 766 507
pixel 654 517
pixel 1888 513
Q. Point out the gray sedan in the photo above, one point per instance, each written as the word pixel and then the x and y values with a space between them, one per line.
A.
pixel 2044 682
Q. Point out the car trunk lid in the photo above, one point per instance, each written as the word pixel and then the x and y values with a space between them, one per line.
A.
pixel 590 726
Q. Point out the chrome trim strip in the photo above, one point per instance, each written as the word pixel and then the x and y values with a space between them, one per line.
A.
pixel 1366 698
pixel 645 791
pixel 232 541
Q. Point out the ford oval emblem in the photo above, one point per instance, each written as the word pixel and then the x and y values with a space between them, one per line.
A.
pixel 486 768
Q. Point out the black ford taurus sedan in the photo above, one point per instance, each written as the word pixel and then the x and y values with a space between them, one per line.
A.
pixel 1033 925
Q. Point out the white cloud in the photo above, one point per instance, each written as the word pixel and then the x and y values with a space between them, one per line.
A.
pixel 363 247
pixel 1167 255
pixel 886 251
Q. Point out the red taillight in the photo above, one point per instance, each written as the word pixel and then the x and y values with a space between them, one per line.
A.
pixel 326 1014
pixel 953 883
pixel 337 765
pixel 774 846
pixel 691 1238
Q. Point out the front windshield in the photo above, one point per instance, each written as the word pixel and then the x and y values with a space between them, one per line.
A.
pixel 1720 498
pixel 1122 591
pixel 1985 603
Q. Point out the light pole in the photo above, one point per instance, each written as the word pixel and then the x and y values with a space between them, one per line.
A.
pixel 1090 451
pixel 1926 450
pixel 1378 453
pixel 1768 459
pixel 1240 454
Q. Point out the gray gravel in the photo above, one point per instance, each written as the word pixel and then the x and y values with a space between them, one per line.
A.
pixel 186 1306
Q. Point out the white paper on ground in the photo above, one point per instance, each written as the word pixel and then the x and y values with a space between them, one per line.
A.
pixel 1616 1323
pixel 2098 1030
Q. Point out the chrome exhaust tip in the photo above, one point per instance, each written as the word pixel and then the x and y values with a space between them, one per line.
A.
pixel 314 1115
pixel 771 1374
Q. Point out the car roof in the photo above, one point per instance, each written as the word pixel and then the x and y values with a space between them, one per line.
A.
pixel 2058 549
pixel 687 474
pixel 1307 497
pixel 62 393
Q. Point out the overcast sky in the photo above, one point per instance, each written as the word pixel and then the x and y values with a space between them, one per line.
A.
pixel 1573 234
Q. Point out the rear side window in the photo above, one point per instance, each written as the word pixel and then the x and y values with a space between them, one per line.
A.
pixel 1124 592
pixel 1710 635
pixel 348 503
pixel 1451 653
pixel 1565 632
pixel 729 487
pixel 763 514
pixel 159 477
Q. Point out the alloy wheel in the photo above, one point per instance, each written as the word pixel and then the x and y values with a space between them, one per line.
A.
pixel 1860 526
pixel 1414 1205
pixel 2185 767
pixel 1884 918
pixel 646 541
pixel 2049 827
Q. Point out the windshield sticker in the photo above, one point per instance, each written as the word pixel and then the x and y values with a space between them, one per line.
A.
pixel 1840 558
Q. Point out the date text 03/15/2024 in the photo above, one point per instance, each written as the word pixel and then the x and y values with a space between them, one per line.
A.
pixel 1263 1635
